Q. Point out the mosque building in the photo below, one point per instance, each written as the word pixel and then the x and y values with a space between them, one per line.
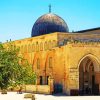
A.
pixel 72 59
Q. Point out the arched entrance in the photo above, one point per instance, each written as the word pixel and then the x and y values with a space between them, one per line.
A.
pixel 88 68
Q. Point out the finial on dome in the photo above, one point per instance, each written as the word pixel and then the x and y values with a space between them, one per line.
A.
pixel 50 8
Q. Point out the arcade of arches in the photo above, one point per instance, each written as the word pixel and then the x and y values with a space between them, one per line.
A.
pixel 70 59
pixel 74 66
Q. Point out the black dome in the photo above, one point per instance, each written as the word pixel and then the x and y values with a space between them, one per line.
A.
pixel 49 23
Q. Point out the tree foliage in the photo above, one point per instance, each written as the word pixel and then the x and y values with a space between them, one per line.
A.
pixel 14 69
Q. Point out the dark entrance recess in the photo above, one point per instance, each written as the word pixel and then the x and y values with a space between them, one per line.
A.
pixel 74 92
pixel 95 87
pixel 58 88
pixel 87 83
pixel 47 80
pixel 41 80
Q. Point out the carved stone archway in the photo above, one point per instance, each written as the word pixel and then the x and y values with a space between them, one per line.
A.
pixel 88 69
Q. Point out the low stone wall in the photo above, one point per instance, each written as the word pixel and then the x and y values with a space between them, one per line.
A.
pixel 42 89
pixel 45 89
pixel 29 88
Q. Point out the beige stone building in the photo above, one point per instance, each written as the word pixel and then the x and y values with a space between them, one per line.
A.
pixel 71 59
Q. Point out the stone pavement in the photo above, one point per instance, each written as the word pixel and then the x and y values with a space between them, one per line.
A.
pixel 15 96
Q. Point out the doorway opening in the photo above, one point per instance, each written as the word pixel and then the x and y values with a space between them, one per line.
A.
pixel 87 77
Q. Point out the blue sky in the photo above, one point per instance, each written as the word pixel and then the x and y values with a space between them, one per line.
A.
pixel 18 16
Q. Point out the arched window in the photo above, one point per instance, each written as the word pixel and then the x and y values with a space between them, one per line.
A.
pixel 25 48
pixel 38 63
pixel 29 48
pixel 33 48
pixel 49 45
pixel 41 46
pixel 50 62
pixel 45 45
pixel 37 46
pixel 54 44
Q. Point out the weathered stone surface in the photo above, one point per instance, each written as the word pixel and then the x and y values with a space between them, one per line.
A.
pixel 66 58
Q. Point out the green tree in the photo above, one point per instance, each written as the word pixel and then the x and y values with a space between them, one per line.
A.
pixel 14 69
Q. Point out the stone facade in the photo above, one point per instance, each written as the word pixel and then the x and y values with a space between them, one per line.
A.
pixel 60 56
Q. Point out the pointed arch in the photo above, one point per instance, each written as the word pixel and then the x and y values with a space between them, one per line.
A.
pixel 37 61
pixel 93 58
pixel 89 68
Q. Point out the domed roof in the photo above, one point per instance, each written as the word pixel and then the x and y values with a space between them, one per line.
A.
pixel 49 23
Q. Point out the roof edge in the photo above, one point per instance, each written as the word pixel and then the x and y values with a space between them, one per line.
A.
pixel 92 29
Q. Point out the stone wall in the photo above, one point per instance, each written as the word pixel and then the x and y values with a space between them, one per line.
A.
pixel 43 89
pixel 76 52
pixel 65 58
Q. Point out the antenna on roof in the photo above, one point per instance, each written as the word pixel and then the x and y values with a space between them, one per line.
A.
pixel 50 8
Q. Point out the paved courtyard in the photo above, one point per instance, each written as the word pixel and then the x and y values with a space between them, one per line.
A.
pixel 15 96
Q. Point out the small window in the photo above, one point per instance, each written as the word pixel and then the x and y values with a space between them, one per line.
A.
pixel 41 46
pixel 49 44
pixel 54 43
pixel 33 48
pixel 38 63
pixel 29 48
pixel 45 45
pixel 37 47
pixel 50 62
pixel 25 48
pixel 41 80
